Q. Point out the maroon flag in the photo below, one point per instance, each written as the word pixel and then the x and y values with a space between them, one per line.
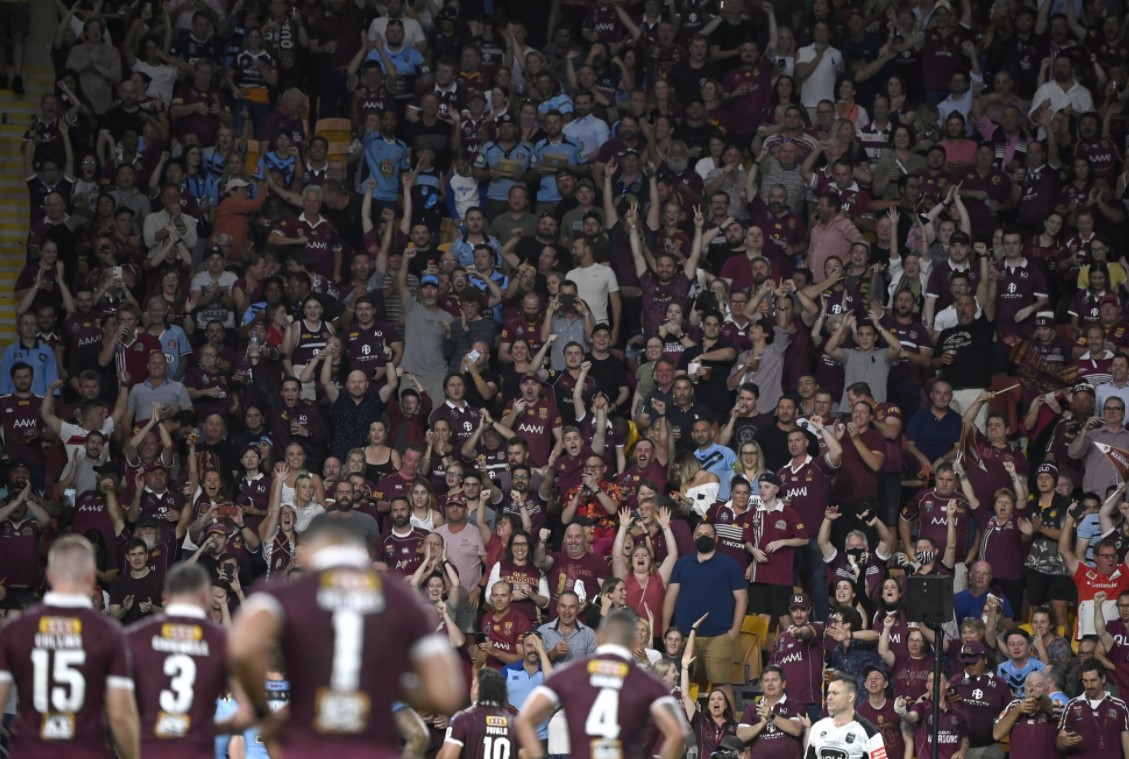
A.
pixel 1117 456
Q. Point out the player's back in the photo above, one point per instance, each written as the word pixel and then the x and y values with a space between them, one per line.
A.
pixel 484 731
pixel 607 700
pixel 348 635
pixel 62 656
pixel 179 670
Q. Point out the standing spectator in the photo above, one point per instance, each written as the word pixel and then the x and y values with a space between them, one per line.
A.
pixel 707 576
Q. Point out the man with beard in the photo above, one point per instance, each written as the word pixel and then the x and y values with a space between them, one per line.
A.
pixel 660 279
pixel 928 508
pixel 554 152
pixel 648 462
pixel 628 137
pixel 798 653
pixel 137 592
pixel 534 416
pixel 523 501
pixel 525 326
pixel 707 593
pixel 22 524
pixel 530 249
pixel 21 426
pixel 783 230
pixel 517 221
pixel 680 175
pixel 572 221
pixel 586 129
pixel 749 88
pixel 903 384
pixel 356 408
pixel 965 351
pixel 401 549
pixel 426 328
pixel 709 363
pixel 502 163
pixel 357 522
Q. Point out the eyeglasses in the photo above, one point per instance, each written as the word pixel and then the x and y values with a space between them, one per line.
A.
pixel 1107 556
pixel 748 453
pixel 1115 409
pixel 593 466
pixel 519 545
pixel 517 477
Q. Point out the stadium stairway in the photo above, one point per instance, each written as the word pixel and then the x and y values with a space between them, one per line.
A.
pixel 16 113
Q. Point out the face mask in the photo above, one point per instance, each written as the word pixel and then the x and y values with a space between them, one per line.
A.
pixel 925 557
pixel 704 543
pixel 856 552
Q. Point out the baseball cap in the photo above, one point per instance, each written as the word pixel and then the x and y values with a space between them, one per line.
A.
pixel 1045 319
pixel 109 467
pixel 1109 298
pixel 1050 469
pixel 429 279
pixel 961 238
pixel 800 601
pixel 602 326
pixel 1083 387
pixel 158 464
pixel 394 22
pixel 148 521
pixel 586 183
pixel 234 183
pixel 874 668
pixel 475 94
pixel 942 5
pixel 215 250
pixel 217 527
pixel 771 478
pixel 124 209
pixel 631 151
pixel 564 171
pixel 584 521
pixel 972 651
pixel 251 447
pixel 446 14
pixel 506 118
pixel 532 376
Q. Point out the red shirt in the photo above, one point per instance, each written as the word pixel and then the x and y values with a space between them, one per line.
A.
pixel 781 523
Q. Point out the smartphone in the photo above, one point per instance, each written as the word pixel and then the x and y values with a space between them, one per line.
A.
pixel 474 355
pixel 568 298
pixel 117 272
pixel 480 637
pixel 227 510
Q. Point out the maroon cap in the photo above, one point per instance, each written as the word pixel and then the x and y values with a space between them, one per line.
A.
pixel 800 601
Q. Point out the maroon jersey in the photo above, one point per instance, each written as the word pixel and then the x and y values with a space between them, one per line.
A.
pixel 20 562
pixel 772 742
pixel 203 126
pixel 1103 156
pixel 802 662
pixel 257 491
pixel 484 731
pixel 520 329
pixel 609 700
pixel 135 355
pixel 80 331
pixel 463 420
pixel 401 552
pixel 1100 728
pixel 806 488
pixel 48 294
pixel 747 110
pixel 179 672
pixel 198 379
pixel 90 514
pixel 322 240
pixel 888 723
pixel 603 21
pixel 928 507
pixel 527 575
pixel 940 279
pixel 376 100
pixel 951 730
pixel 505 633
pixel 62 656
pixel 733 531
pixel 981 698
pixel 20 425
pixel 348 637
pixel 566 572
pixel 767 526
pixel 1032 736
pixel 942 57
pixel 366 346
pixel 536 424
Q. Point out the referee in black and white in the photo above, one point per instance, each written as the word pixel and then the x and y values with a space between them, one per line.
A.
pixel 843 734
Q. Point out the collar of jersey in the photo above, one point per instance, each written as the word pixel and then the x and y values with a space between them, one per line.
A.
pixel 615 650
pixel 339 556
pixel 67 600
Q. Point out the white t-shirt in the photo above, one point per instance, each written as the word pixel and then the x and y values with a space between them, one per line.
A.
pixel 74 438
pixel 162 79
pixel 594 284
pixel 820 85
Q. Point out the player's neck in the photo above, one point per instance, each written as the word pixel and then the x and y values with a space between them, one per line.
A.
pixel 844 717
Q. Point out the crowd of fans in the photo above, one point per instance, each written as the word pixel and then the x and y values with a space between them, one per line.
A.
pixel 702 311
